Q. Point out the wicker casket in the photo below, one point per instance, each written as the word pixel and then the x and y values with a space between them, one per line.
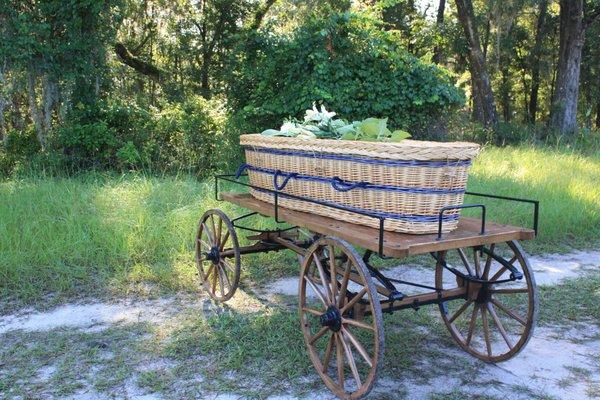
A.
pixel 407 182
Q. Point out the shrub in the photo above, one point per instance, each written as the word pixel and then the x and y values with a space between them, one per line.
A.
pixel 17 150
pixel 347 62
pixel 93 136
pixel 114 135
pixel 188 136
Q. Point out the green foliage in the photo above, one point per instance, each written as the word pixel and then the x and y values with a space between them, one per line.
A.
pixel 323 125
pixel 64 40
pixel 18 150
pixel 114 135
pixel 188 136
pixel 347 62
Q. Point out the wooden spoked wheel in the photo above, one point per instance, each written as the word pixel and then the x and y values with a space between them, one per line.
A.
pixel 341 320
pixel 218 255
pixel 497 318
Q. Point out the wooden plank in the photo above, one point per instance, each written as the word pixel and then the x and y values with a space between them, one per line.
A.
pixel 395 244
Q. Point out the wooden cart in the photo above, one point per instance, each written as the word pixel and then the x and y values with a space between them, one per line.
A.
pixel 484 285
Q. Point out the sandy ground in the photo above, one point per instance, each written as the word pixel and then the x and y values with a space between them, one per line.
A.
pixel 543 367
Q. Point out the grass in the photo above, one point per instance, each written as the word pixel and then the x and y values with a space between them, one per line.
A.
pixel 576 300
pixel 104 234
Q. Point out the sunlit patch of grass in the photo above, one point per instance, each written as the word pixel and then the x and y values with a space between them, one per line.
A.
pixel 575 300
pixel 566 183
pixel 73 361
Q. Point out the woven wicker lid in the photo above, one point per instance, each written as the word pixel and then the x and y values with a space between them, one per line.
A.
pixel 405 150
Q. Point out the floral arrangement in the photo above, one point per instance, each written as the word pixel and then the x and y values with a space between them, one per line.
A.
pixel 322 125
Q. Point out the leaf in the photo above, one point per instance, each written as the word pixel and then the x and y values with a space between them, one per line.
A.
pixel 346 129
pixel 372 128
pixel 271 132
pixel 350 135
pixel 399 135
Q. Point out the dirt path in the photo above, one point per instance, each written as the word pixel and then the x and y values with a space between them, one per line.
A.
pixel 559 362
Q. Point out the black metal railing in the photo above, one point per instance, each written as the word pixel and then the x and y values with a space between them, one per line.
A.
pixel 234 178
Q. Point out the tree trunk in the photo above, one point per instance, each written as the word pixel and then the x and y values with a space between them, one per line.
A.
pixel 563 115
pixel 505 91
pixel 540 32
pixel 205 74
pixel 479 75
pixel 49 96
pixel 437 51
pixel 36 115
pixel 598 115
pixel 2 105
pixel 16 119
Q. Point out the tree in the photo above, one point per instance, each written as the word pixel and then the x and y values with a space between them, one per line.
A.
pixel 563 115
pixel 439 22
pixel 536 55
pixel 483 96
pixel 573 24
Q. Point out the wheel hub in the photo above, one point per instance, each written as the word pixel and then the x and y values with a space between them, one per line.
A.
pixel 332 318
pixel 213 255
pixel 484 295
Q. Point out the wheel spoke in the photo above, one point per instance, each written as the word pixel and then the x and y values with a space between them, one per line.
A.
pixel 219 231
pixel 486 331
pixel 225 275
pixel 488 262
pixel 312 311
pixel 499 325
pixel 351 361
pixel 323 280
pixel 463 257
pixel 509 312
pixel 339 360
pixel 472 323
pixel 317 335
pixel 214 228
pixel 344 286
pixel 358 346
pixel 328 351
pixel 211 236
pixel 224 241
pixel 358 324
pixel 353 301
pixel 227 265
pixel 503 269
pixel 214 281
pixel 460 310
pixel 498 274
pixel 208 272
pixel 204 243
pixel 317 291
pixel 333 274
pixel 221 283
pixel 477 259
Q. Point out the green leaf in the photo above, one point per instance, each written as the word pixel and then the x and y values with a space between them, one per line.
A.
pixel 350 135
pixel 399 135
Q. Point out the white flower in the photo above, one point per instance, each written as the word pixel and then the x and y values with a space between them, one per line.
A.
pixel 287 126
pixel 315 116
pixel 326 114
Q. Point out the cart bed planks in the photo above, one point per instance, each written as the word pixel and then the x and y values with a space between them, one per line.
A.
pixel 397 245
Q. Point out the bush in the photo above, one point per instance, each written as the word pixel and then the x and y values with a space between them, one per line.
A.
pixel 18 149
pixel 347 62
pixel 188 136
pixel 114 135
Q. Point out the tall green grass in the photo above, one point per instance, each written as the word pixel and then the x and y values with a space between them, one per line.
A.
pixel 103 233
pixel 566 183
